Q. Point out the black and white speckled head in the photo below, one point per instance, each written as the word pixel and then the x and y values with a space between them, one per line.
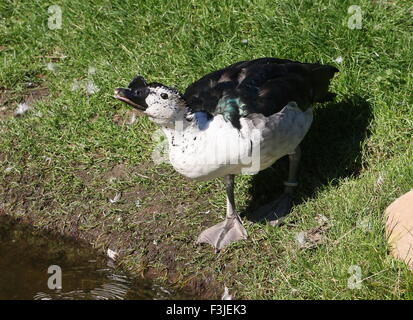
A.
pixel 163 105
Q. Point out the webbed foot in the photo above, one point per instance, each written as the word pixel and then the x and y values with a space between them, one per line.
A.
pixel 224 233
pixel 275 211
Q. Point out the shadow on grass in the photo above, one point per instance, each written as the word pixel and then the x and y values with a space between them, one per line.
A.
pixel 330 151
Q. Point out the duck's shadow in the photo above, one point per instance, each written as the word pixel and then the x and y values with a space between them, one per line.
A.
pixel 330 151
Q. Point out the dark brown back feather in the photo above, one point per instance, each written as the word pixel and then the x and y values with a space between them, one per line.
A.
pixel 262 85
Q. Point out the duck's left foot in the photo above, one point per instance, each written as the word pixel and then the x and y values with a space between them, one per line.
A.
pixel 224 233
pixel 275 211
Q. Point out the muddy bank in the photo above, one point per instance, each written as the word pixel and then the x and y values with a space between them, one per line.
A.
pixel 152 234
pixel 28 254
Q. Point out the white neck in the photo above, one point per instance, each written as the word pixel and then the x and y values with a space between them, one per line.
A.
pixel 183 125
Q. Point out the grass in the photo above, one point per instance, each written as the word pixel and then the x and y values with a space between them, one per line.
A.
pixel 60 162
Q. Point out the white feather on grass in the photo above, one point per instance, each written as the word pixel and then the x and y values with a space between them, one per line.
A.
pixel 91 88
pixel 226 295
pixel 132 119
pixel 112 254
pixel 300 238
pixel 116 198
pixel 51 67
pixel 21 109
pixel 8 169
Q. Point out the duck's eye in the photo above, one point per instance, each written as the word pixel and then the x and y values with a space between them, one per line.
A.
pixel 164 95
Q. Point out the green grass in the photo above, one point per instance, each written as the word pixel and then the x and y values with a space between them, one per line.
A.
pixel 62 151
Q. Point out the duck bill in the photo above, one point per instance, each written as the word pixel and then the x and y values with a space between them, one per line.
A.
pixel 128 96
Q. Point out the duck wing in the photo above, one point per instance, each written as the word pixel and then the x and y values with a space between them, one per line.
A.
pixel 263 86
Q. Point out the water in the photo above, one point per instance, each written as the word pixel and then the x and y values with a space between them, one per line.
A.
pixel 26 254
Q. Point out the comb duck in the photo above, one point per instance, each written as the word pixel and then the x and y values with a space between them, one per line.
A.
pixel 237 120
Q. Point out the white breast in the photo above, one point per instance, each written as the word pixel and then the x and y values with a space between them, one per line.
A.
pixel 220 149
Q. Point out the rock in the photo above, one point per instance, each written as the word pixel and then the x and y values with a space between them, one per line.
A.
pixel 399 228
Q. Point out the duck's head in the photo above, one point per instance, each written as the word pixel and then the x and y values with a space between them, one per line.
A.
pixel 163 105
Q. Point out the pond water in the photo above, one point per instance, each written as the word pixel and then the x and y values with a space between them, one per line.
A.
pixel 26 255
